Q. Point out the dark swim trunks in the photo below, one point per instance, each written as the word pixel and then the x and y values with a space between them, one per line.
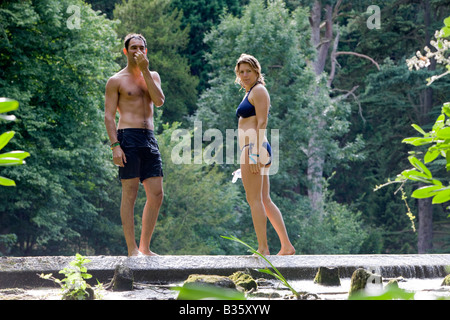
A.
pixel 142 153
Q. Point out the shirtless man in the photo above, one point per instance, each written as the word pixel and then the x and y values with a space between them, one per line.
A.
pixel 133 92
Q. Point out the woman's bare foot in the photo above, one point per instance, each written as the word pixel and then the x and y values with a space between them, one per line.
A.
pixel 148 253
pixel 135 253
pixel 263 252
pixel 289 251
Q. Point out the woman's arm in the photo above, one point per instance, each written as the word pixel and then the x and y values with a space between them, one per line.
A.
pixel 261 100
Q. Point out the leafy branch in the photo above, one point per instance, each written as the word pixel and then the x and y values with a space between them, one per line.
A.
pixel 12 158
pixel 438 137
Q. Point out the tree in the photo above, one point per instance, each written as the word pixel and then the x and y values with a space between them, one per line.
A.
pixel 55 58
pixel 387 101
pixel 201 16
pixel 324 43
pixel 431 187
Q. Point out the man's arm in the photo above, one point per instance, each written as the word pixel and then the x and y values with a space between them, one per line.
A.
pixel 152 79
pixel 111 102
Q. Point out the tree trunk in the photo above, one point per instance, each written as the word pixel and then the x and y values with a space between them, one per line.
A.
pixel 316 152
pixel 425 232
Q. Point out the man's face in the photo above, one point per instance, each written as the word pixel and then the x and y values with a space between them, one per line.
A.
pixel 134 46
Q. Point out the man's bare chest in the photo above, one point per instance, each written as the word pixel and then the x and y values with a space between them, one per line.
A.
pixel 133 89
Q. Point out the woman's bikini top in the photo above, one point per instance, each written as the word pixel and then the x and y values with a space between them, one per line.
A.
pixel 245 108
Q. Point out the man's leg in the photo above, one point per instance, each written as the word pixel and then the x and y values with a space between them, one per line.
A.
pixel 129 193
pixel 155 194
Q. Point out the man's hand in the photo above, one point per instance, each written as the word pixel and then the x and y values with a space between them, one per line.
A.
pixel 119 158
pixel 141 60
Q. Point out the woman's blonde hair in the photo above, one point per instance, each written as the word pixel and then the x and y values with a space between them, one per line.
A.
pixel 254 64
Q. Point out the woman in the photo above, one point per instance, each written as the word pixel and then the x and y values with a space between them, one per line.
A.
pixel 256 154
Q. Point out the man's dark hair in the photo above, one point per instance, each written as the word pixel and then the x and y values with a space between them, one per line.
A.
pixel 132 36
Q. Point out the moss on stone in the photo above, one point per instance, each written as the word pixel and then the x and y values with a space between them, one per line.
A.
pixel 244 280
pixel 446 281
pixel 328 277
pixel 218 281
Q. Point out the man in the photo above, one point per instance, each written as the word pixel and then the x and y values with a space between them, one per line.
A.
pixel 133 92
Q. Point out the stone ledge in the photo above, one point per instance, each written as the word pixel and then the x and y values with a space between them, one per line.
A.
pixel 21 272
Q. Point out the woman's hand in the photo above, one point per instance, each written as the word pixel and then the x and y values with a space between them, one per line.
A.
pixel 255 165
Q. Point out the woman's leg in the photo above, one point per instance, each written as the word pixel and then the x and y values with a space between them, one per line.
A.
pixel 253 190
pixel 276 219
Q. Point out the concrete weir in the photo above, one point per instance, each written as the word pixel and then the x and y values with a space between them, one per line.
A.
pixel 22 272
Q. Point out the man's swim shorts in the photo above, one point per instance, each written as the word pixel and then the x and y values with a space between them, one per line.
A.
pixel 141 152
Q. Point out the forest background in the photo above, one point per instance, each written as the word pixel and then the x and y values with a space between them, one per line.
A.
pixel 342 99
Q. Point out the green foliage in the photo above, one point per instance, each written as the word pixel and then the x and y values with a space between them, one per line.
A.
pixel 58 76
pixel 201 16
pixel 74 285
pixel 339 230
pixel 439 138
pixel 193 291
pixel 14 157
pixel 440 141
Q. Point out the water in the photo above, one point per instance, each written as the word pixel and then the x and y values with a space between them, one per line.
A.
pixel 425 289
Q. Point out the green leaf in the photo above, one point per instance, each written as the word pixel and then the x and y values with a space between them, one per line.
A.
pixel 7 105
pixel 444 133
pixel 6 162
pixel 414 173
pixel 446 31
pixel 7 182
pixel 415 126
pixel 15 154
pixel 446 109
pixel 420 166
pixel 447 21
pixel 417 141
pixel 442 196
pixel 193 291
pixel 431 155
pixel 425 192
pixel 4 138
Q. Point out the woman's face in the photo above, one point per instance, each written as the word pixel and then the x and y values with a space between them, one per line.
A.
pixel 247 75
